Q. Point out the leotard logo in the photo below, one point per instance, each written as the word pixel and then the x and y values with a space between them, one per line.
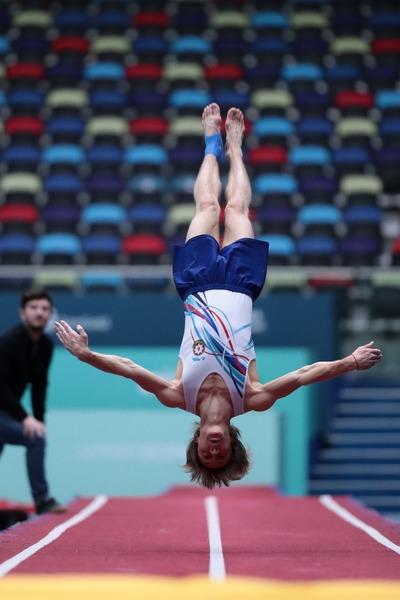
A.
pixel 198 347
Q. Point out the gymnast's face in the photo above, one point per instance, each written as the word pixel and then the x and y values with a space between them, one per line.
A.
pixel 214 447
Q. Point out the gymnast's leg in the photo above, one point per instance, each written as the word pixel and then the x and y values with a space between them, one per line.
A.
pixel 238 188
pixel 207 187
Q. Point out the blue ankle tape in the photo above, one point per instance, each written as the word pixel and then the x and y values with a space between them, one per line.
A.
pixel 214 145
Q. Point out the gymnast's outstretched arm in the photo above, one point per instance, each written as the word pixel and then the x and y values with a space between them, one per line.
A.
pixel 76 342
pixel 364 357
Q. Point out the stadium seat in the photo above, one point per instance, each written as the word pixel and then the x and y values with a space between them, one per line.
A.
pixel 271 102
pixel 360 250
pixel 65 129
pixel 319 219
pixel 101 248
pixel 16 248
pixel 147 217
pixel 317 250
pixel 57 280
pixel 18 218
pixel 147 187
pixel 100 281
pixel 276 219
pixel 58 248
pixel 60 217
pixel 144 249
pixel 282 249
pixel 103 217
pixel 21 157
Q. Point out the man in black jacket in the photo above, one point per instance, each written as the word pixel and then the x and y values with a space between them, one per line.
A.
pixel 25 355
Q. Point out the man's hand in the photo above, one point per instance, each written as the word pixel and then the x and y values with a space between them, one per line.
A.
pixel 31 427
pixel 75 342
pixel 366 356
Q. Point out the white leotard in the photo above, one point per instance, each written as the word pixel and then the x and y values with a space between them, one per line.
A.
pixel 217 339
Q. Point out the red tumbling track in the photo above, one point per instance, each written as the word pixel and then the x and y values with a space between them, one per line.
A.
pixel 263 534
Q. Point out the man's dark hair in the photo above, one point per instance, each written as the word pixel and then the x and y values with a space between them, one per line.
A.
pixel 35 294
pixel 237 467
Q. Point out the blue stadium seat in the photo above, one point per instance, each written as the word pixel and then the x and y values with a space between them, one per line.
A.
pixel 388 100
pixel 359 250
pixel 319 219
pixel 314 129
pixel 309 157
pixel 4 45
pixel 188 98
pixel 25 101
pixel 101 248
pixel 317 249
pixel 341 77
pixel 318 188
pixel 387 161
pixel 110 21
pixel 16 248
pixel 65 127
pixel 269 50
pixel 111 71
pixel 148 185
pixel 71 21
pixel 268 19
pixel 63 183
pixel 104 213
pixel 184 159
pixel 146 154
pixel 150 46
pixel 105 185
pixel 273 127
pixel 65 73
pixel 276 219
pixel 21 157
pixel 63 154
pixel 191 45
pixel 227 98
pixel 148 102
pixel 108 101
pixel 30 46
pixel 312 103
pixel 350 160
pixel 105 155
pixel 147 217
pixel 261 76
pixel 301 73
pixel 275 184
pixel 362 220
pixel 282 249
pixel 58 248
pixel 102 281
pixel 60 217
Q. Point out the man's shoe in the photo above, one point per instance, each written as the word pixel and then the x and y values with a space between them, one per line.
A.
pixel 50 506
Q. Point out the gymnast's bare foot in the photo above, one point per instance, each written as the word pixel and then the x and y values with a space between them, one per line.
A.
pixel 211 119
pixel 234 131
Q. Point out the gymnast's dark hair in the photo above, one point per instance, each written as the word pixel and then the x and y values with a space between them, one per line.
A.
pixel 237 467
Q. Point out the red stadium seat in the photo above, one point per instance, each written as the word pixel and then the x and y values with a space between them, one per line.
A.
pixel 25 214
pixel 149 19
pixel 25 71
pixel 352 99
pixel 144 249
pixel 267 155
pixel 149 126
pixel 226 71
pixel 74 44
pixel 144 71
pixel 386 46
pixel 24 125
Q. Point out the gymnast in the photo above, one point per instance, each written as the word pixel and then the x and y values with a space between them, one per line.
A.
pixel 218 280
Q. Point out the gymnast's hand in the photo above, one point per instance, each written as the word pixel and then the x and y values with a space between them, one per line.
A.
pixel 366 356
pixel 74 341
